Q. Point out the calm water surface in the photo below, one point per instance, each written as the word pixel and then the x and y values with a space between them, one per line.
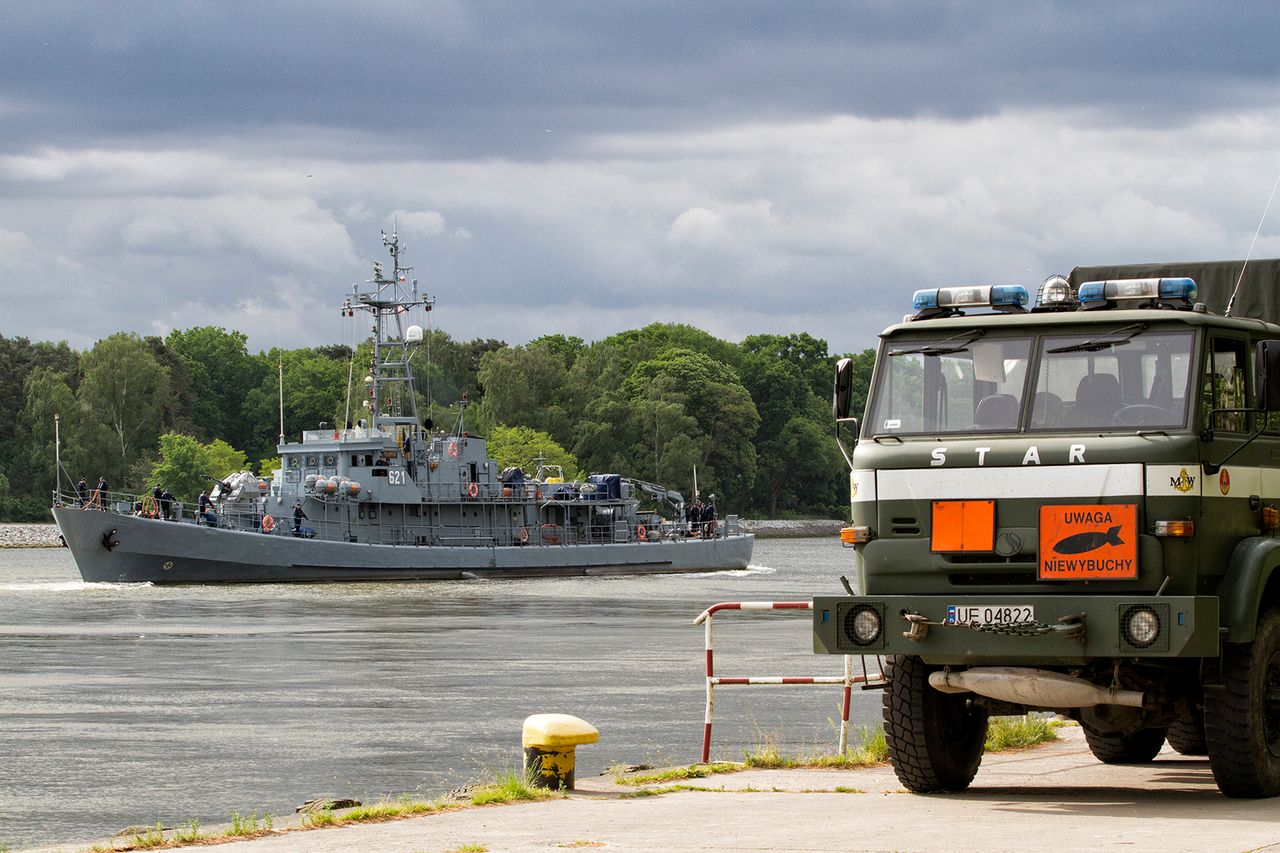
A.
pixel 128 704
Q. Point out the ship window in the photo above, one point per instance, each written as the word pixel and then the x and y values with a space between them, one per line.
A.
pixel 355 460
pixel 295 462
pixel 313 461
pixel 330 460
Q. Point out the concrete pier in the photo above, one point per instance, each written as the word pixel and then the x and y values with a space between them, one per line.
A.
pixel 1051 798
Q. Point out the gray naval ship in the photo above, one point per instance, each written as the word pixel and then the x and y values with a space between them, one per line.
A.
pixel 390 498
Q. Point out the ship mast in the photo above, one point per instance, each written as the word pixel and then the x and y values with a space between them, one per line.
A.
pixel 389 300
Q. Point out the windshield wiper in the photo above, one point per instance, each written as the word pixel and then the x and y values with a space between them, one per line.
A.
pixel 1104 340
pixel 944 347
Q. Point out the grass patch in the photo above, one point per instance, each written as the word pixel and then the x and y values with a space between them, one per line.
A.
pixel 385 810
pixel 153 837
pixel 870 751
pixel 671 774
pixel 1019 732
pixel 1003 733
pixel 187 833
pixel 666 789
pixel 582 842
pixel 469 848
pixel 509 788
pixel 247 826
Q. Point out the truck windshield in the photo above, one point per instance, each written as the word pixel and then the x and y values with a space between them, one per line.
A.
pixel 963 383
pixel 1117 380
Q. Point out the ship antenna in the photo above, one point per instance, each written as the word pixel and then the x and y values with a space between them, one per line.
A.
pixel 1249 254
pixel 280 355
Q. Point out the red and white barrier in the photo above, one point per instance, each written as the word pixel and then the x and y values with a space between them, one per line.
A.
pixel 848 679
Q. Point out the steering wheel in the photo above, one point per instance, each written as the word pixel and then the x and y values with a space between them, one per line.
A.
pixel 1142 414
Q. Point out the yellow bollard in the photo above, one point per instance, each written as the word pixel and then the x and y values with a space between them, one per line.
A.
pixel 549 741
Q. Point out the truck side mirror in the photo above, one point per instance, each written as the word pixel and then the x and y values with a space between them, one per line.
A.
pixel 842 396
pixel 1266 375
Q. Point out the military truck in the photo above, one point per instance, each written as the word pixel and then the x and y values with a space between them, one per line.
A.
pixel 1071 504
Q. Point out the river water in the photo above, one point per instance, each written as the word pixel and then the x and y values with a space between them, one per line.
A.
pixel 127 704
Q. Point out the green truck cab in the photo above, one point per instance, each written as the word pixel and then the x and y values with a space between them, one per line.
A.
pixel 1072 505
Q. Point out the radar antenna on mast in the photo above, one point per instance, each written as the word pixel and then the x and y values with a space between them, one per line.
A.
pixel 389 300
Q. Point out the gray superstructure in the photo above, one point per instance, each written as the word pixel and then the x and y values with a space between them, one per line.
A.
pixel 391 498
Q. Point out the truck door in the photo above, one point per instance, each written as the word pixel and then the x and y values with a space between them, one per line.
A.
pixel 1226 512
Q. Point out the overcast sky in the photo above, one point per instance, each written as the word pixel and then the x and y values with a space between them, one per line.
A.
pixel 592 166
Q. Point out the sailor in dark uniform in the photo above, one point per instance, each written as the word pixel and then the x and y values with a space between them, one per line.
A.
pixel 82 492
pixel 298 515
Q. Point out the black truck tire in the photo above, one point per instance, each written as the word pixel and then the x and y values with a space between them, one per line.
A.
pixel 1137 748
pixel 1186 732
pixel 935 739
pixel 1242 714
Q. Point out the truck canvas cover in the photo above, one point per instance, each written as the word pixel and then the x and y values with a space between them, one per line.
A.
pixel 1215 280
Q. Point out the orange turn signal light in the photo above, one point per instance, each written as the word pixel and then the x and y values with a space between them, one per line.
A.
pixel 1183 529
pixel 1270 518
pixel 855 535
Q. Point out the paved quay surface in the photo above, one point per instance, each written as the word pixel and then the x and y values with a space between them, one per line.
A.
pixel 1051 798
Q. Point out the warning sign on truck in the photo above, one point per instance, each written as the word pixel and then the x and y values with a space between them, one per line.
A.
pixel 1089 542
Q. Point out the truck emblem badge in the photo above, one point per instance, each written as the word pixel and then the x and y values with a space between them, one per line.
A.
pixel 1184 482
pixel 1224 481
pixel 1008 544
pixel 1083 543
pixel 853 490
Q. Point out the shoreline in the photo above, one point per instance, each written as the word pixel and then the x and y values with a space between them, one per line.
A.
pixel 33 535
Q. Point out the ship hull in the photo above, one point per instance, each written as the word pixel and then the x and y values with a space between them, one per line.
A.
pixel 112 548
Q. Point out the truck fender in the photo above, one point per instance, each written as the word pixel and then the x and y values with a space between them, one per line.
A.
pixel 1252 564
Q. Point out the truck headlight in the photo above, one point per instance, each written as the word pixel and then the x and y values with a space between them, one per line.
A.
pixel 1141 627
pixel 862 624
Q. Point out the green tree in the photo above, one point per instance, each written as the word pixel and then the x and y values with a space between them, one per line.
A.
pixel 520 446
pixel 224 459
pixel 525 386
pixel 126 390
pixel 807 353
pixel 45 395
pixel 314 390
pixel 713 396
pixel 186 466
pixel 221 372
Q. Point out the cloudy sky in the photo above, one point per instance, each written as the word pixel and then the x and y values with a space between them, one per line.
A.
pixel 588 166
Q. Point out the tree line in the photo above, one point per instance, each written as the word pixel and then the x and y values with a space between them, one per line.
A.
pixel 753 418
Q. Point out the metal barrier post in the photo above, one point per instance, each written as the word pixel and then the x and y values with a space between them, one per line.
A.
pixel 847 680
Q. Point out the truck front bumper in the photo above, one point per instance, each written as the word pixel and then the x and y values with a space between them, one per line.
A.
pixel 1065 629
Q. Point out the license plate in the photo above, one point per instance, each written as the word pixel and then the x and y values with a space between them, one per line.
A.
pixel 989 614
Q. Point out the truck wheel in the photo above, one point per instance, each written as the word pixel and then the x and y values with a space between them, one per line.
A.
pixel 1242 715
pixel 1186 732
pixel 1136 748
pixel 935 739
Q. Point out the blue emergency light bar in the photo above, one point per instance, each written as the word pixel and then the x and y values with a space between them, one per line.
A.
pixel 948 299
pixel 1093 294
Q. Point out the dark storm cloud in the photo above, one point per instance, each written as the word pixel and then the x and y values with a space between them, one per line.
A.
pixel 485 78
pixel 588 167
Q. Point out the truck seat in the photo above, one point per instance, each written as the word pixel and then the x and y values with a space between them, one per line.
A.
pixel 1097 399
pixel 997 411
